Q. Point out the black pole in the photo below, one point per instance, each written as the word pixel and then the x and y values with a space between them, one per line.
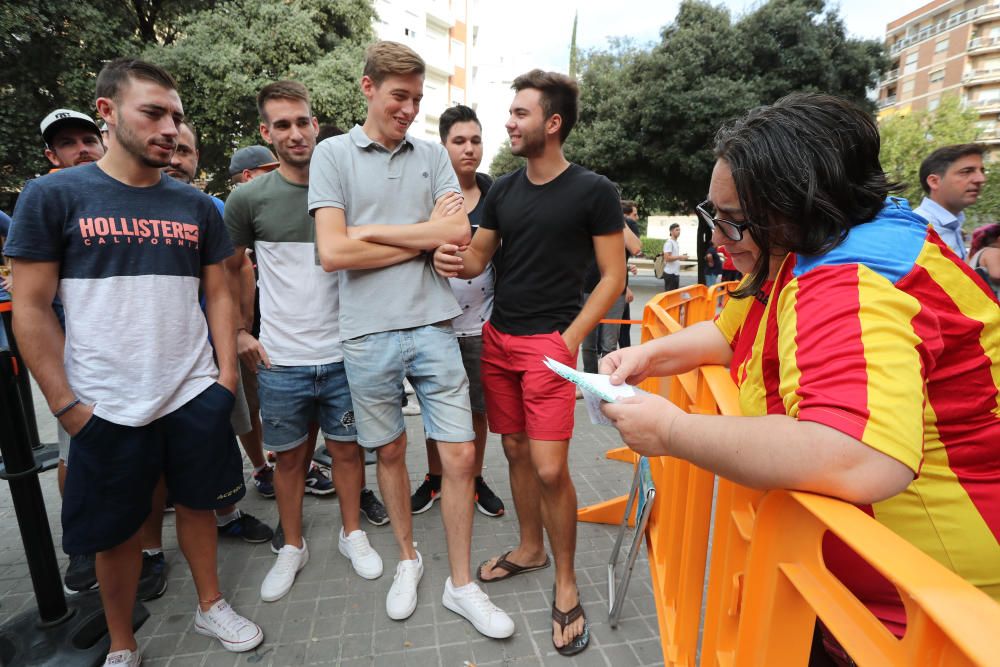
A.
pixel 23 384
pixel 21 471
pixel 704 239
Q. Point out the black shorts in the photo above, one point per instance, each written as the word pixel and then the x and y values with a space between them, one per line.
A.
pixel 113 469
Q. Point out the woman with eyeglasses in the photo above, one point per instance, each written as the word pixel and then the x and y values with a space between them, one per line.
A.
pixel 866 353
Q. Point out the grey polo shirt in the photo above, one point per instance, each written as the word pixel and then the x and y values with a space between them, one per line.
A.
pixel 374 185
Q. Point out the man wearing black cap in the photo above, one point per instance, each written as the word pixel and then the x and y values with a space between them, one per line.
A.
pixel 71 138
pixel 250 162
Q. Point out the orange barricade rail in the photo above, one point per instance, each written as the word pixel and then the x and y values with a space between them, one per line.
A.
pixel 766 580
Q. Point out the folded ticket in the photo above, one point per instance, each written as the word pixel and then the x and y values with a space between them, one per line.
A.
pixel 595 387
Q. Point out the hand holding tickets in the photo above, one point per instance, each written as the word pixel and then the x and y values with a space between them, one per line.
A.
pixel 596 388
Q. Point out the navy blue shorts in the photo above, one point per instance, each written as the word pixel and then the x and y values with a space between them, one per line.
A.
pixel 113 469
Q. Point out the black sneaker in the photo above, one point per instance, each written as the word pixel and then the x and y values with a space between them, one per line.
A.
pixel 81 574
pixel 373 509
pixel 278 540
pixel 426 494
pixel 487 502
pixel 317 482
pixel 263 481
pixel 247 527
pixel 153 578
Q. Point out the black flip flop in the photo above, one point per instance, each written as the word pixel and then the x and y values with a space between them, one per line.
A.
pixel 512 569
pixel 564 618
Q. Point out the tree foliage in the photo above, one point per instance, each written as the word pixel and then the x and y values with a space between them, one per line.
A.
pixel 220 51
pixel 504 161
pixel 909 138
pixel 649 115
pixel 225 54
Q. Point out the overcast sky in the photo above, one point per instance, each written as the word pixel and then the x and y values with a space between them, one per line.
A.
pixel 541 29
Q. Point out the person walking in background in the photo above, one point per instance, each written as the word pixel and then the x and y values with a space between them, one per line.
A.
pixel 953 178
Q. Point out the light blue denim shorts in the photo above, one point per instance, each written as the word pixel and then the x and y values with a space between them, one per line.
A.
pixel 293 396
pixel 430 357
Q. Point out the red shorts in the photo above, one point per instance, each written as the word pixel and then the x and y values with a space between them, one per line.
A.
pixel 523 395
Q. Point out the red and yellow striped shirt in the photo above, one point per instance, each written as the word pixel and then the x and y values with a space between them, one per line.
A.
pixel 894 341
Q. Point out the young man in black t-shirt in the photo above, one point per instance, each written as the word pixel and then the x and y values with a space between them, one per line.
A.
pixel 552 217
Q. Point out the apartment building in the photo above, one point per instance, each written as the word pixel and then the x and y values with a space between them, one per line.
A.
pixel 946 47
pixel 444 33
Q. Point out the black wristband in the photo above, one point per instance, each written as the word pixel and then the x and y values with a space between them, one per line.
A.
pixel 66 408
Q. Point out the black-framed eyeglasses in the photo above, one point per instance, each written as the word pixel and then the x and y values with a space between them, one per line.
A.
pixel 731 230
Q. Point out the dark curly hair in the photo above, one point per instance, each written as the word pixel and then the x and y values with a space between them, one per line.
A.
pixel 806 170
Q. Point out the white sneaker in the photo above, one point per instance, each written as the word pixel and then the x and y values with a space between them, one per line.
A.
pixel 402 598
pixel 236 633
pixel 124 658
pixel 366 561
pixel 407 387
pixel 280 578
pixel 411 408
pixel 471 603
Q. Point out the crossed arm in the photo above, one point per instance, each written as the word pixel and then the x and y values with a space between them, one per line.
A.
pixel 375 246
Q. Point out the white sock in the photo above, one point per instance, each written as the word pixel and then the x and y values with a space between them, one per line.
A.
pixel 152 552
pixel 461 589
pixel 259 468
pixel 225 519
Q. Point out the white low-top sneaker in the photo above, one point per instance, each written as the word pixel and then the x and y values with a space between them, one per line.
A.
pixel 236 633
pixel 281 576
pixel 365 560
pixel 471 603
pixel 402 598
pixel 124 658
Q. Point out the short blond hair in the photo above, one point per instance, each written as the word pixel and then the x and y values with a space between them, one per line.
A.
pixel 386 58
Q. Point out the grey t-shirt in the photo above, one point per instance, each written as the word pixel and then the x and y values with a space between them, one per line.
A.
pixel 374 185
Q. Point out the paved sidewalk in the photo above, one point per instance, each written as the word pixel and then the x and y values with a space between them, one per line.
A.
pixel 333 617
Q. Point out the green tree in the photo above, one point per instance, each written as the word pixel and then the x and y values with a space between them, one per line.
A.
pixel 573 53
pixel 907 138
pixel 505 161
pixel 225 54
pixel 649 115
pixel 50 53
pixel 221 52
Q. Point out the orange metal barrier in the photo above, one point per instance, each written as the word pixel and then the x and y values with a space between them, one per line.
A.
pixel 767 582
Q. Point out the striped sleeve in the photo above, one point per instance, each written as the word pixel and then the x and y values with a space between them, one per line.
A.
pixel 851 359
pixel 732 317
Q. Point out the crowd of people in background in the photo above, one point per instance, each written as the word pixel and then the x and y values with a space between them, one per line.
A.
pixel 162 324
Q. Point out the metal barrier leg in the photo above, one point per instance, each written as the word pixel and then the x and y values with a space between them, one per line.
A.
pixel 643 493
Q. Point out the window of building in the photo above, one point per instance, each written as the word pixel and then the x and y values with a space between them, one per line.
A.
pixel 911 63
pixel 907 87
pixel 457 53
pixel 941 46
pixel 936 75
pixel 933 103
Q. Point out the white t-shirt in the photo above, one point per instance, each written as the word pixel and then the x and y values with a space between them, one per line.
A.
pixel 671 247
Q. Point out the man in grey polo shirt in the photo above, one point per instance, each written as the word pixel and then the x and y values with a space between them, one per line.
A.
pixel 382 200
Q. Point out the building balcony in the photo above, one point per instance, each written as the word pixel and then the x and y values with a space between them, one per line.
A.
pixel 890 76
pixel 978 77
pixel 986 106
pixel 978 14
pixel 985 12
pixel 989 136
pixel 887 102
pixel 983 45
pixel 438 12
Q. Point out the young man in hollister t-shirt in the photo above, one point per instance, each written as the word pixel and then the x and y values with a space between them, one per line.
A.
pixel 128 247
pixel 552 217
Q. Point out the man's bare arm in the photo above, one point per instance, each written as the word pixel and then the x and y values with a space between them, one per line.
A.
pixel 220 311
pixel 41 340
pixel 632 242
pixel 448 223
pixel 247 290
pixel 609 249
pixel 451 261
pixel 338 251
